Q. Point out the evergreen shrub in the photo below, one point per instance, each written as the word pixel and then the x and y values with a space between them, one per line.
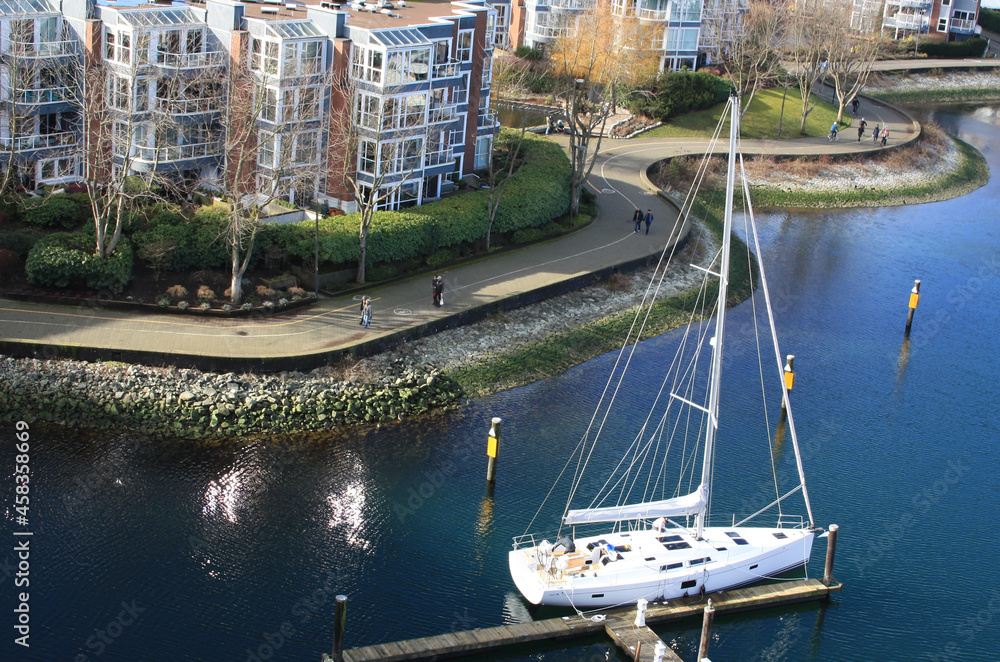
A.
pixel 51 211
pixel 67 260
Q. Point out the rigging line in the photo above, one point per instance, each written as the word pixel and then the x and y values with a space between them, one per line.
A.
pixel 583 463
pixel 756 330
pixel 777 357
pixel 770 505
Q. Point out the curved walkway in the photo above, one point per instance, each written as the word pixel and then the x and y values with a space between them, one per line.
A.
pixel 314 336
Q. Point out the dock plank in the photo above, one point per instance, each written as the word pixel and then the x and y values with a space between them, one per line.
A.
pixel 619 625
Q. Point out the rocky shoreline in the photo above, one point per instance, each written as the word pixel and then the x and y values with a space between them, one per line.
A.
pixel 160 402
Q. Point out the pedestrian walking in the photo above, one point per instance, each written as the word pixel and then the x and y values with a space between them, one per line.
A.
pixel 854 105
pixel 364 300
pixel 548 124
pixel 366 313
pixel 637 219
pixel 875 135
pixel 885 134
pixel 649 219
pixel 437 290
pixel 861 129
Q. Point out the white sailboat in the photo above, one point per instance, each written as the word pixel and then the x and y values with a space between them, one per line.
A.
pixel 662 545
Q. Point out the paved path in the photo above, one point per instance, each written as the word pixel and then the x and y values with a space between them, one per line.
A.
pixel 331 326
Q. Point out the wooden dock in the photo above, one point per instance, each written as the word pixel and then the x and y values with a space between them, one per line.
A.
pixel 639 643
pixel 618 623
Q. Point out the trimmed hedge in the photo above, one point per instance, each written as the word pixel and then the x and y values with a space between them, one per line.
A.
pixel 51 211
pixel 974 47
pixel 675 93
pixel 989 19
pixel 20 241
pixel 538 193
pixel 66 259
pixel 197 241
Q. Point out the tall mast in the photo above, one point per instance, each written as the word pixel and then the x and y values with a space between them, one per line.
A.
pixel 715 373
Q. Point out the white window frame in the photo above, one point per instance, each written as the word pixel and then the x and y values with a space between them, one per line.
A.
pixel 463 46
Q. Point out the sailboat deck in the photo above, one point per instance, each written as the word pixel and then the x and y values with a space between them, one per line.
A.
pixel 459 644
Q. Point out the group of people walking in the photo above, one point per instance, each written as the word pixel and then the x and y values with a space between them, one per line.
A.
pixel 877 135
pixel 638 218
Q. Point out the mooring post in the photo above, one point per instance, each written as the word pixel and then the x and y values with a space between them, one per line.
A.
pixel 659 650
pixel 706 630
pixel 492 450
pixel 789 378
pixel 831 550
pixel 914 300
pixel 640 612
pixel 339 624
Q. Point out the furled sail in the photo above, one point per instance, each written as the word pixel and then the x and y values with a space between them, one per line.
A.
pixel 689 504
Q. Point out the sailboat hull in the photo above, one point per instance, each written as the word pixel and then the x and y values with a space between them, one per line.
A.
pixel 657 565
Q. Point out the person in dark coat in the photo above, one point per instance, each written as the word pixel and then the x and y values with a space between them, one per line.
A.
pixel 438 286
pixel 649 219
pixel 637 219
pixel 861 129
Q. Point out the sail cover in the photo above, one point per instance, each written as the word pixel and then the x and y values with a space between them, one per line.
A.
pixel 689 504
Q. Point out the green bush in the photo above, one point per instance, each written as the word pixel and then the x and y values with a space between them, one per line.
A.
pixel 381 272
pixel 51 211
pixel 20 241
pixel 989 19
pixel 528 235
pixel 528 53
pixel 442 257
pixel 974 47
pixel 65 259
pixel 674 93
pixel 198 241
pixel 538 193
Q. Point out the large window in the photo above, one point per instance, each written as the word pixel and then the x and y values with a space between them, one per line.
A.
pixel 266 150
pixel 463 50
pixel 302 58
pixel 269 107
pixel 367 64
pixel 482 152
pixel 682 39
pixel 305 147
pixel 367 111
pixel 263 56
pixel 119 90
pixel 408 66
pixel 366 157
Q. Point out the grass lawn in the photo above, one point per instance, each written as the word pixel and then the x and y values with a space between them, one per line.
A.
pixel 761 121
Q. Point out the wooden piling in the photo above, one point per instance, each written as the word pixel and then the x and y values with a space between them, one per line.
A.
pixel 914 300
pixel 339 625
pixel 706 630
pixel 492 450
pixel 831 550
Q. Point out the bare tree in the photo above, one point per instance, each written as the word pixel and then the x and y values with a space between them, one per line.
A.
pixel 852 55
pixel 118 159
pixel 597 52
pixel 271 141
pixel 379 140
pixel 750 58
pixel 808 42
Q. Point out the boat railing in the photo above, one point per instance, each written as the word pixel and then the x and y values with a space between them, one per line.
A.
pixel 782 521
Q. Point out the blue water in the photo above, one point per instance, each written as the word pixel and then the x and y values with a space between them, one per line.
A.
pixel 234 553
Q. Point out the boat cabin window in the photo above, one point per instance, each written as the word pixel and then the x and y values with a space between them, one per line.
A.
pixel 732 534
pixel 700 561
pixel 753 567
pixel 670 566
pixel 650 558
pixel 669 538
pixel 720 549
pixel 740 541
pixel 691 583
pixel 676 545
pixel 779 535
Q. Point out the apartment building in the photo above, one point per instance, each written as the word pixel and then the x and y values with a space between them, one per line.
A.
pixel 410 83
pixel 940 20
pixel 38 121
pixel 689 33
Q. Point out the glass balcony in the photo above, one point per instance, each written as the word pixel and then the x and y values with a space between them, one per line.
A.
pixel 45 49
pixel 41 95
pixel 907 22
pixel 439 158
pixel 913 4
pixel 41 141
pixel 449 69
pixel 179 152
pixel 568 4
pixel 442 113
pixel 487 119
pixel 188 60
pixel 188 106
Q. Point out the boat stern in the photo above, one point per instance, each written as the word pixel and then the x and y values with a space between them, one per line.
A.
pixel 524 572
